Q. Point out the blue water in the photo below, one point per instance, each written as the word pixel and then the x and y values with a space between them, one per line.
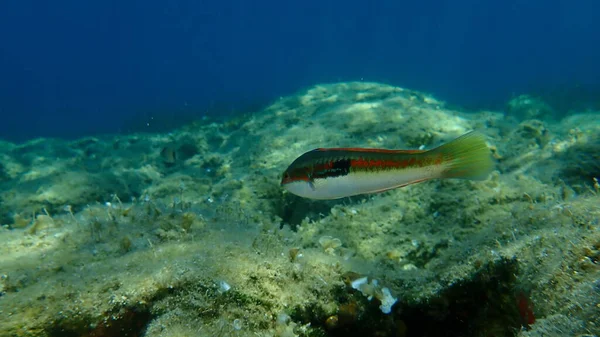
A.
pixel 71 68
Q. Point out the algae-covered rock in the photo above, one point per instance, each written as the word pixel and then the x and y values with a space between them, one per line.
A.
pixel 524 107
pixel 189 233
pixel 580 163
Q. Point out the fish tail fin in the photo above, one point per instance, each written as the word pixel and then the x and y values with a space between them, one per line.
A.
pixel 466 157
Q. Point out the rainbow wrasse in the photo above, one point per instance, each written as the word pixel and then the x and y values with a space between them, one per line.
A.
pixel 332 173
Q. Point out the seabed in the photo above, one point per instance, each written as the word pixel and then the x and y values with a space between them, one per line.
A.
pixel 188 233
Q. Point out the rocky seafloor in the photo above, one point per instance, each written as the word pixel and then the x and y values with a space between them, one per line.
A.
pixel 188 233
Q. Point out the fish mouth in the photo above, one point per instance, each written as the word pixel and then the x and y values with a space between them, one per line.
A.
pixel 286 178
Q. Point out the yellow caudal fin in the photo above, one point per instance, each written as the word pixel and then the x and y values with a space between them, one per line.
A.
pixel 467 157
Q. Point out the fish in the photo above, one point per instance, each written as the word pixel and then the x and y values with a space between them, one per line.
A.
pixel 334 173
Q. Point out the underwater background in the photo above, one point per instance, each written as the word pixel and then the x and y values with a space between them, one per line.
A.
pixel 143 146
pixel 72 68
